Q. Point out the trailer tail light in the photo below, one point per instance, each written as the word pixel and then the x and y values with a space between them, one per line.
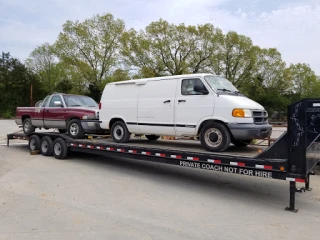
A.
pixel 100 105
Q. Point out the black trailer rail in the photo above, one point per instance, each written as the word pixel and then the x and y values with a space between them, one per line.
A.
pixel 292 157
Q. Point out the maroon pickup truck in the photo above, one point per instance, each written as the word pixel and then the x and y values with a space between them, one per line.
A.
pixel 72 114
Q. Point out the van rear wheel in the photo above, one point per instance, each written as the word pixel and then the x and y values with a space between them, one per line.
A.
pixel 215 137
pixel 119 132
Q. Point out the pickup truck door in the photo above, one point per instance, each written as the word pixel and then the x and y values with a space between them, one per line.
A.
pixel 55 116
pixel 37 118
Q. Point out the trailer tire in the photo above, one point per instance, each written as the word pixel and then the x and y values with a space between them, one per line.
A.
pixel 215 137
pixel 34 143
pixel 75 129
pixel 60 149
pixel 119 132
pixel 27 126
pixel 46 146
pixel 152 137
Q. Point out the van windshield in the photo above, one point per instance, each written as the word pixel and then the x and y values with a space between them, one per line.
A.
pixel 221 84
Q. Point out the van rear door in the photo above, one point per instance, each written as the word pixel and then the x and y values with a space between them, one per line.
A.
pixel 156 107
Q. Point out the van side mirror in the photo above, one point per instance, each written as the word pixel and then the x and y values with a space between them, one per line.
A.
pixel 57 104
pixel 200 88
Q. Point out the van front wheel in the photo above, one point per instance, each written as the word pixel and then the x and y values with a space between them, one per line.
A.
pixel 119 132
pixel 215 137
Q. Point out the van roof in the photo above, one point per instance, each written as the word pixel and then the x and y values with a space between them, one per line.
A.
pixel 162 78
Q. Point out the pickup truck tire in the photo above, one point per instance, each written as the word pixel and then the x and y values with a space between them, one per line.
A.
pixel 27 126
pixel 60 149
pixel 152 137
pixel 241 143
pixel 46 146
pixel 119 132
pixel 34 143
pixel 75 129
pixel 215 137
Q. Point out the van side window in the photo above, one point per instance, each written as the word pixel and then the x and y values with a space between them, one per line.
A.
pixel 187 86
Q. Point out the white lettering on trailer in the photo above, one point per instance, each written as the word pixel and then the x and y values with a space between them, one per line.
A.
pixel 228 169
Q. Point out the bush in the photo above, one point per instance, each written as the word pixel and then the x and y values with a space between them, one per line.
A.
pixel 7 114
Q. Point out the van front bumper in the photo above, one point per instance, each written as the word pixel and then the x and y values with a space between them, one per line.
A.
pixel 249 131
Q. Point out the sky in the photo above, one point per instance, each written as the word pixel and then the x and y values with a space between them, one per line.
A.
pixel 291 26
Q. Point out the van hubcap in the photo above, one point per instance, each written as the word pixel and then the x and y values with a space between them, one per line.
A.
pixel 118 132
pixel 213 137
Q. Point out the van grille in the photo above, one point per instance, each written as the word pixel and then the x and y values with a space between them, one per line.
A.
pixel 260 117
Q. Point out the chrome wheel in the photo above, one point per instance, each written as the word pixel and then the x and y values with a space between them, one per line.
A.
pixel 44 146
pixel 213 137
pixel 26 126
pixel 32 145
pixel 57 149
pixel 74 129
pixel 118 132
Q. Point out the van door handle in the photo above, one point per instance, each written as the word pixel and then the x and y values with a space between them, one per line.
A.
pixel 181 100
pixel 167 101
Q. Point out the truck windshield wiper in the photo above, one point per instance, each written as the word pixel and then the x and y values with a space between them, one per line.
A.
pixel 224 90
pixel 75 105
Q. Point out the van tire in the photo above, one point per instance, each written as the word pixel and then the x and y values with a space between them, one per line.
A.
pixel 119 132
pixel 215 137
pixel 152 137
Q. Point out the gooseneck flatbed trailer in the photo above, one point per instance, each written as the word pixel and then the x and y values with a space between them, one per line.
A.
pixel 292 157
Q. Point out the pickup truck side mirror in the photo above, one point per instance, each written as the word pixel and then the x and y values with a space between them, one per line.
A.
pixel 200 88
pixel 57 104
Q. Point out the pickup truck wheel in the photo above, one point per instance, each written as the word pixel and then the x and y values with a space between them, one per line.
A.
pixel 119 132
pixel 241 143
pixel 75 129
pixel 46 146
pixel 152 137
pixel 60 149
pixel 215 137
pixel 27 126
pixel 34 143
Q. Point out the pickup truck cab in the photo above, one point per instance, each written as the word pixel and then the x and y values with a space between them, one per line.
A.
pixel 72 114
pixel 193 105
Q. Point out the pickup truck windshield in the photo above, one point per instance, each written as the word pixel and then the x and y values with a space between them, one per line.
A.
pixel 220 84
pixel 79 101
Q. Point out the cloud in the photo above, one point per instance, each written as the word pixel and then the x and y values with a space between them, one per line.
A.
pixel 289 25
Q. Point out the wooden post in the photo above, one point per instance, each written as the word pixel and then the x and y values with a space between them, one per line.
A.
pixel 31 103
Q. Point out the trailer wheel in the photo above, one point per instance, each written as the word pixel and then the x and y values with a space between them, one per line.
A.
pixel 34 143
pixel 215 137
pixel 60 149
pixel 46 146
pixel 27 126
pixel 241 143
pixel 75 129
pixel 119 132
pixel 152 137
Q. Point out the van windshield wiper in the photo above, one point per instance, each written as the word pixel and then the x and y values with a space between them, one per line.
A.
pixel 224 90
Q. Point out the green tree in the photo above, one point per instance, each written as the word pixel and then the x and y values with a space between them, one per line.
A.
pixel 168 49
pixel 91 47
pixel 235 58
pixel 43 63
pixel 15 85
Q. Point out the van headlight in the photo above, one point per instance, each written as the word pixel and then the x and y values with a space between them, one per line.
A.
pixel 242 113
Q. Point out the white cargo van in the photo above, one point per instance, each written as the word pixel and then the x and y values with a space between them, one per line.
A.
pixel 201 105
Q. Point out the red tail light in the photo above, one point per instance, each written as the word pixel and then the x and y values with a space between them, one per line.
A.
pixel 99 105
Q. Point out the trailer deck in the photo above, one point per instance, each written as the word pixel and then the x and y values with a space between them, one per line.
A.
pixel 292 157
